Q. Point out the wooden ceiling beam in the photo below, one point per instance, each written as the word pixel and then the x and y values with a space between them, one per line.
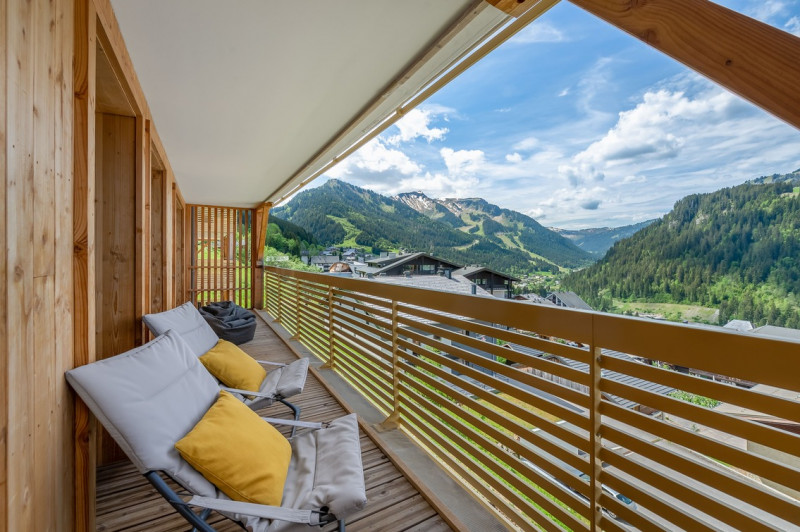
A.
pixel 758 62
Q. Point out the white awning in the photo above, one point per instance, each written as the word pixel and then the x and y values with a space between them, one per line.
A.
pixel 253 97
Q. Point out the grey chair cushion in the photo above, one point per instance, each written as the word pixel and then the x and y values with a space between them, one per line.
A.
pixel 285 381
pixel 325 470
pixel 186 321
pixel 149 398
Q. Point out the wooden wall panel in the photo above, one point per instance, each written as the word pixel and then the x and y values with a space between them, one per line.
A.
pixel 117 318
pixel 179 251
pixel 36 109
pixel 157 243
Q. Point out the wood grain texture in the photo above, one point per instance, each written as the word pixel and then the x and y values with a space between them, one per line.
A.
pixel 117 322
pixel 83 262
pixel 157 248
pixel 752 59
pixel 64 448
pixel 19 254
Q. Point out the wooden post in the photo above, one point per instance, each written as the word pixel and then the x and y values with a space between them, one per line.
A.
pixel 330 363
pixel 595 435
pixel 260 230
pixel 393 421
pixel 83 261
pixel 297 314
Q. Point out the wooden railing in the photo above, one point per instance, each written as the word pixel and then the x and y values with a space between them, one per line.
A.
pixel 547 414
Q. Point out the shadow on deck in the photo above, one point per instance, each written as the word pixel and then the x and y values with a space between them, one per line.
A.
pixel 125 501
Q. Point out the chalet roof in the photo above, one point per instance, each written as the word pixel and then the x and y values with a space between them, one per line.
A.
pixel 534 298
pixel 457 284
pixel 466 271
pixel 268 94
pixel 780 332
pixel 739 325
pixel 324 259
pixel 571 300
pixel 389 263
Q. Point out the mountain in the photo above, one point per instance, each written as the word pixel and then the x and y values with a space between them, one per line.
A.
pixel 737 249
pixel 464 231
pixel 792 177
pixel 598 240
pixel 509 229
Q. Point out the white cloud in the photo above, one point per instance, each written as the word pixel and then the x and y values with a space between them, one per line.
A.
pixel 536 213
pixel 765 10
pixel 416 123
pixel 440 185
pixel 526 144
pixel 375 158
pixel 539 32
pixel 658 127
pixel 513 157
pixel 462 162
pixel 563 92
pixel 793 26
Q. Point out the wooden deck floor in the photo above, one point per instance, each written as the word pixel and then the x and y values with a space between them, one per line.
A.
pixel 125 501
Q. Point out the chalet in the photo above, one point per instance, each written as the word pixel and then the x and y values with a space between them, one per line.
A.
pixel 136 132
pixel 410 263
pixel 498 284
pixel 324 262
pixel 568 300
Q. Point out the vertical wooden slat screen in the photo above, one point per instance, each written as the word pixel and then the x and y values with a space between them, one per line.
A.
pixel 221 253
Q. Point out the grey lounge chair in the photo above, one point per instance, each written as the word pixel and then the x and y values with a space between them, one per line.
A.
pixel 281 383
pixel 152 396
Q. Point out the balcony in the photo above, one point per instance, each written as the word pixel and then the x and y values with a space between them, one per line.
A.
pixel 550 417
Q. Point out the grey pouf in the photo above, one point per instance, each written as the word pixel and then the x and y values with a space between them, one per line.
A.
pixel 230 321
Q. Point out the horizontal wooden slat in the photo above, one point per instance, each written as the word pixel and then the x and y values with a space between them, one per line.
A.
pixel 506 335
pixel 749 430
pixel 422 395
pixel 719 479
pixel 695 497
pixel 523 395
pixel 504 405
pixel 524 450
pixel 764 467
pixel 750 399
pixel 499 351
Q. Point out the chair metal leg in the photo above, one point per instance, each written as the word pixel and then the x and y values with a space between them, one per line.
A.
pixel 295 409
pixel 341 525
pixel 197 521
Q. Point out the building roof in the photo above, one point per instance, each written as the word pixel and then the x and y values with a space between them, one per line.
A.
pixel 571 300
pixel 533 298
pixel 293 77
pixel 466 271
pixel 324 259
pixel 389 263
pixel 780 332
pixel 739 325
pixel 457 284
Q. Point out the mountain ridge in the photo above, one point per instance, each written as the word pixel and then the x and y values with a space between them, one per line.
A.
pixel 338 213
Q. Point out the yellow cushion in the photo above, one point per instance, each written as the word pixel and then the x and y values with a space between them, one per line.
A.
pixel 238 452
pixel 233 367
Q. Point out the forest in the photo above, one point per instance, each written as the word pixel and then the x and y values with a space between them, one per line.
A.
pixel 737 249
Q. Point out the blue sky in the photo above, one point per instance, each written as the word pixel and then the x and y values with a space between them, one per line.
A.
pixel 580 125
